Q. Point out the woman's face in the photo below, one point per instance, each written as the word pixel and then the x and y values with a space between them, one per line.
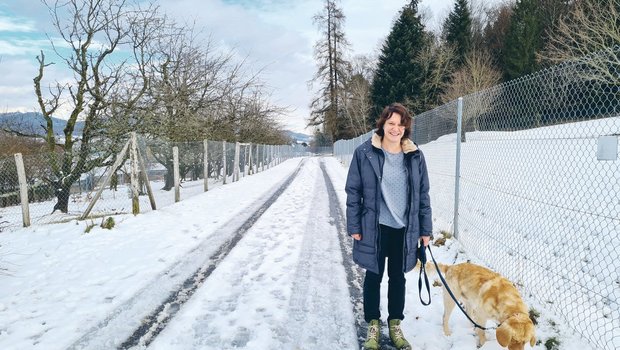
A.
pixel 392 129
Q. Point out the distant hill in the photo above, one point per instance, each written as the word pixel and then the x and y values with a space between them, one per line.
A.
pixel 299 136
pixel 32 123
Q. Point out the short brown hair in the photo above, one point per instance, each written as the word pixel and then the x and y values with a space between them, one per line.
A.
pixel 405 119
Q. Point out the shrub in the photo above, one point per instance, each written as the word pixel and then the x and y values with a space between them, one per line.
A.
pixel 108 223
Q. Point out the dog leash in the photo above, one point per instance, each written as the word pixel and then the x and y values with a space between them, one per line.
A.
pixel 422 256
pixel 421 253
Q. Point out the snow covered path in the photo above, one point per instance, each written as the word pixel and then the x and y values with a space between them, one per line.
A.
pixel 281 287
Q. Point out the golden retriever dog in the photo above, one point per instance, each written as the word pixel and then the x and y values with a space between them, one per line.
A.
pixel 487 295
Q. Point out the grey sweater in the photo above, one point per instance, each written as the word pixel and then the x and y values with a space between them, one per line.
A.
pixel 394 191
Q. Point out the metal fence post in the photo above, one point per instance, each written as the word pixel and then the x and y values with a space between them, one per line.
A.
pixel 457 165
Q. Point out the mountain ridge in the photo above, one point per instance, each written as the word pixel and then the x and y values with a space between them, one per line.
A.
pixel 31 123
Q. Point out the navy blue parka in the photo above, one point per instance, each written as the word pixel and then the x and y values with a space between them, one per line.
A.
pixel 363 188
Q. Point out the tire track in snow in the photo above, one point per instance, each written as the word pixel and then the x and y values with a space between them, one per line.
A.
pixel 318 316
pixel 155 323
pixel 354 274
pixel 245 303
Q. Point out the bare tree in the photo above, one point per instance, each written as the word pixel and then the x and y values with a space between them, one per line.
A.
pixel 260 120
pixel 497 25
pixel 198 91
pixel 188 79
pixel 588 36
pixel 476 75
pixel 480 19
pixel 356 101
pixel 438 61
pixel 93 30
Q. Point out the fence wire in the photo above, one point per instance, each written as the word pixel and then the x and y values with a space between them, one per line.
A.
pixel 539 186
pixel 115 196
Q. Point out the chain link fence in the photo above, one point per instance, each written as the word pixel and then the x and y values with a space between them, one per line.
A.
pixel 539 186
pixel 226 162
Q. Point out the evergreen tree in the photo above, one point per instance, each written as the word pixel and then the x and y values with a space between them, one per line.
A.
pixel 523 39
pixel 327 107
pixel 457 30
pixel 399 76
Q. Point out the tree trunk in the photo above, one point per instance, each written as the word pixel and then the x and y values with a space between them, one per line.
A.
pixel 169 177
pixel 62 198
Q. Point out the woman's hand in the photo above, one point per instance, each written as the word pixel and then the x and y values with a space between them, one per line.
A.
pixel 425 240
pixel 357 236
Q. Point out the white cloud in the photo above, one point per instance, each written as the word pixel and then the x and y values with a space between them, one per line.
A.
pixel 18 48
pixel 274 35
pixel 11 24
pixel 17 87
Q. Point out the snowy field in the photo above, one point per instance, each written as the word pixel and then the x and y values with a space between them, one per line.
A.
pixel 540 207
pixel 282 286
pixel 111 202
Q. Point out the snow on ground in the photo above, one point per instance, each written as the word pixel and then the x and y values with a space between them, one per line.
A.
pixel 283 285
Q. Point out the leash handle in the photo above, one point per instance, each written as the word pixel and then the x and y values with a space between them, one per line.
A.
pixel 421 253
pixel 445 284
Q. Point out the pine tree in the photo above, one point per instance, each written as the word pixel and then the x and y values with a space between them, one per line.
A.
pixel 399 76
pixel 327 107
pixel 457 30
pixel 523 40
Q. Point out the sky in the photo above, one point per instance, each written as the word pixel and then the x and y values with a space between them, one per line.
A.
pixel 276 36
pixel 284 284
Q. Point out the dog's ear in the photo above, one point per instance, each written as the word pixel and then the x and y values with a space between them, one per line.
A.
pixel 533 341
pixel 503 335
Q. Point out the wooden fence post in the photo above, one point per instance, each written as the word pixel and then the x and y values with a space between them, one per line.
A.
pixel 205 166
pixel 145 177
pixel 224 161
pixel 175 159
pixel 135 200
pixel 250 162
pixel 23 189
pixel 245 159
pixel 117 163
pixel 262 158
pixel 236 163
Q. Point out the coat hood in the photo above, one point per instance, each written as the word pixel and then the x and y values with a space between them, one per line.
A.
pixel 407 145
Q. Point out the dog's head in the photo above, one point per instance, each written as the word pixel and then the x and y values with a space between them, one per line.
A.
pixel 517 330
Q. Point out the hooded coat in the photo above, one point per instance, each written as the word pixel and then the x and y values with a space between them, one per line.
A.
pixel 363 188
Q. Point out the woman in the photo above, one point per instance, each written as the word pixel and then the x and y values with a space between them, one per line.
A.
pixel 388 211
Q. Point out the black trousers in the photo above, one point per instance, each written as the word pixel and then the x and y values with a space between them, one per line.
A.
pixel 392 248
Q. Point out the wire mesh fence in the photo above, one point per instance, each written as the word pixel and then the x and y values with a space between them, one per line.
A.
pixel 539 186
pixel 225 162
